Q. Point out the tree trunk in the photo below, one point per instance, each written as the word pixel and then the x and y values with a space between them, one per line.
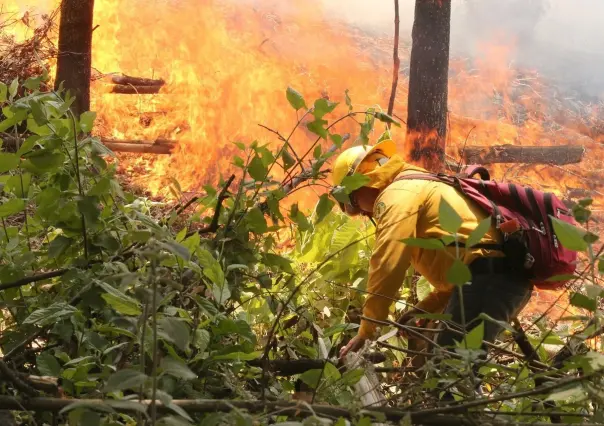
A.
pixel 74 57
pixel 428 84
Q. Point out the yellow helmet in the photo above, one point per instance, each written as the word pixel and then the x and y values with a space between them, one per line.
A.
pixel 349 161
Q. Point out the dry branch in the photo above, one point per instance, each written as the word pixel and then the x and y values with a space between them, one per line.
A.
pixel 136 81
pixel 125 89
pixel 560 155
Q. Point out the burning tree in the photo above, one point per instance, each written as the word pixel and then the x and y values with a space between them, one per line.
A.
pixel 428 84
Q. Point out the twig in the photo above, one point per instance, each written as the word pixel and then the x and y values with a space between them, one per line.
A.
pixel 213 226
pixel 19 383
pixel 397 61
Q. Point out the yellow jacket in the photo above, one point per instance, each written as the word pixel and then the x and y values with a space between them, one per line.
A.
pixel 409 209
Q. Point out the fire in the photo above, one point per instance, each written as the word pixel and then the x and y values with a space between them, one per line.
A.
pixel 227 65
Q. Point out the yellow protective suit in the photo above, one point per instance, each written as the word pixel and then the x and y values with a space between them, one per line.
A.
pixel 410 208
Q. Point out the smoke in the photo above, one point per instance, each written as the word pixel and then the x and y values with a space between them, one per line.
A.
pixel 559 38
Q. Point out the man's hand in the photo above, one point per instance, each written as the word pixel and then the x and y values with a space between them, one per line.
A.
pixel 354 345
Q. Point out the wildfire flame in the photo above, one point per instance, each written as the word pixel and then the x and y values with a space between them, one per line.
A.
pixel 227 65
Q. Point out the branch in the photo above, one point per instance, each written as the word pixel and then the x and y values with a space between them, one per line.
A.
pixel 127 89
pixel 33 279
pixel 486 401
pixel 213 226
pixel 284 367
pixel 290 409
pixel 397 61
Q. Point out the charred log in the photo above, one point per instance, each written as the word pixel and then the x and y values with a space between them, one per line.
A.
pixel 136 81
pixel 74 57
pixel 560 155
pixel 125 89
pixel 428 84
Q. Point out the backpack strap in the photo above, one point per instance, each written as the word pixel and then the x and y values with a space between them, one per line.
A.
pixel 472 170
pixel 454 181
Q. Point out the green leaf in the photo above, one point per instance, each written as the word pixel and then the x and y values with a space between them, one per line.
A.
pixel 338 328
pixel 12 206
pixel 87 121
pixel 125 379
pixel 48 365
pixel 425 243
pixel 176 368
pixel 238 356
pixel 449 219
pixel 288 160
pixel 58 246
pixel 317 127
pixel 3 92
pixel 8 162
pixel 473 339
pixel 504 325
pixel 423 288
pixel 257 169
pixel 336 139
pixel 176 249
pixel 12 89
pixel 354 182
pixel 582 301
pixel 299 218
pixel 341 195
pixel 211 267
pixel 295 99
pixel 121 306
pixel 44 160
pixel 119 301
pixel 175 331
pixel 51 314
pixel 28 145
pixel 89 208
pixel 352 377
pixel 322 107
pixel 202 340
pixel 33 83
pixel 280 262
pixel 459 273
pixel 385 118
pixel 317 152
pixel 324 207
pixel 100 188
pixel 329 373
pixel 569 236
pixel 255 221
pixel 479 232
pixel 39 113
pixel 348 100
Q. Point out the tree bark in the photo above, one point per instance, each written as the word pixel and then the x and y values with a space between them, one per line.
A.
pixel 428 84
pixel 74 57
pixel 559 155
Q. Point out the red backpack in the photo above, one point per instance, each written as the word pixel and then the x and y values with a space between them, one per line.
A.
pixel 523 216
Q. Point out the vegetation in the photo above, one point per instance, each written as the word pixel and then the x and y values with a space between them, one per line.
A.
pixel 148 317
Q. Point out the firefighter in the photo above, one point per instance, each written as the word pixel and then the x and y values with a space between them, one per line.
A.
pixel 410 209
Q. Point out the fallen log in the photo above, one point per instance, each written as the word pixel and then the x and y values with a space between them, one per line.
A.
pixel 136 81
pixel 159 146
pixel 125 89
pixel 560 155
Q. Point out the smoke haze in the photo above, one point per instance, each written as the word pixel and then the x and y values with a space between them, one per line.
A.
pixel 562 39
